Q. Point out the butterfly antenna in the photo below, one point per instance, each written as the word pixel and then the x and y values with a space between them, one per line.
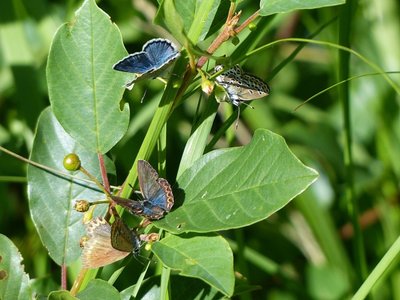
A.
pixel 133 189
pixel 141 100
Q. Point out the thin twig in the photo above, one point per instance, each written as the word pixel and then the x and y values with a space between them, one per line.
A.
pixel 43 167
pixel 229 31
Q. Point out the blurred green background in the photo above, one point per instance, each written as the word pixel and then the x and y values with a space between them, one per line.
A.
pixel 310 240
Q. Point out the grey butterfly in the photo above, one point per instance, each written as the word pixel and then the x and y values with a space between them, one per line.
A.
pixel 240 86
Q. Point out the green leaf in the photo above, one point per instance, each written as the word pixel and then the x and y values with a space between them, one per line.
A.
pixel 99 289
pixel 14 282
pixel 197 142
pixel 197 17
pixel 61 295
pixel 84 90
pixel 181 288
pixel 208 258
pixel 237 187
pixel 268 7
pixel 168 17
pixel 189 18
pixel 52 196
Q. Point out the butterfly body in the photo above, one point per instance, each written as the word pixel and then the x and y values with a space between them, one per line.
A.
pixel 158 198
pixel 156 56
pixel 241 86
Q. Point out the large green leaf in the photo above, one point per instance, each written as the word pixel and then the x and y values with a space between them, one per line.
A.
pixel 268 7
pixel 84 90
pixel 51 196
pixel 14 282
pixel 99 289
pixel 208 258
pixel 237 187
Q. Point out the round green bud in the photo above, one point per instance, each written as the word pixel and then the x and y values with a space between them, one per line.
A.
pixel 252 26
pixel 72 162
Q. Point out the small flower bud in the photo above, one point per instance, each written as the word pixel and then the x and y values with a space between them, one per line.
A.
pixel 82 205
pixel 207 86
pixel 149 238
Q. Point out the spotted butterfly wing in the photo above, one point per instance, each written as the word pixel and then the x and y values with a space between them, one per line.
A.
pixel 97 249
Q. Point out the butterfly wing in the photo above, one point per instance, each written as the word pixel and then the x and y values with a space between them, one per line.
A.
pixel 156 56
pixel 138 63
pixel 157 192
pixel 255 88
pixel 97 250
pixel 122 238
pixel 160 203
pixel 241 86
pixel 164 198
pixel 161 52
pixel 148 180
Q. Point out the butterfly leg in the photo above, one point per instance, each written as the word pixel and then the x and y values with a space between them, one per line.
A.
pixel 237 118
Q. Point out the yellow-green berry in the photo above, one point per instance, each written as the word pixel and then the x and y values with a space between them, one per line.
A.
pixel 252 26
pixel 72 162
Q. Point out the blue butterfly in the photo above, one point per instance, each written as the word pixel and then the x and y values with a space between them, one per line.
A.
pixel 155 57
pixel 157 194
pixel 107 243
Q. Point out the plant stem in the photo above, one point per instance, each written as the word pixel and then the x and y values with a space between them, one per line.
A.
pixel 103 172
pixel 379 271
pixel 352 204
pixel 43 167
pixel 229 31
pixel 63 277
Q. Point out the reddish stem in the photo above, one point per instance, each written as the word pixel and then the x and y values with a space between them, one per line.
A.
pixel 229 31
pixel 63 277
pixel 103 172
pixel 247 22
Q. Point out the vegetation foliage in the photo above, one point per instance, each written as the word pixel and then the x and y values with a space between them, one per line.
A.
pixel 298 202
